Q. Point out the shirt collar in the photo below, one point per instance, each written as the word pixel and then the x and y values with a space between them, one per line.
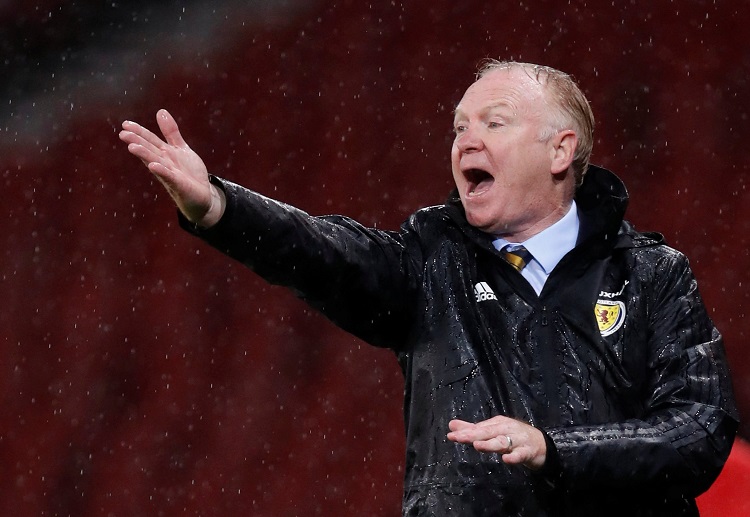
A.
pixel 550 245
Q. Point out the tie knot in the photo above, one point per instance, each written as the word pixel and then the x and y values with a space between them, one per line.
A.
pixel 518 258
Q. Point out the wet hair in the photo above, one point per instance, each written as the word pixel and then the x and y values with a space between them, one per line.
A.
pixel 571 109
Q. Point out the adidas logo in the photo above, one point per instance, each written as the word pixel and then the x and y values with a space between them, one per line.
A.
pixel 484 292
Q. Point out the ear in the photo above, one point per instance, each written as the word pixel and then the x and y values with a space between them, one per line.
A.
pixel 564 146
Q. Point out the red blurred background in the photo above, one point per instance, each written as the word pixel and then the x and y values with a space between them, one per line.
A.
pixel 145 374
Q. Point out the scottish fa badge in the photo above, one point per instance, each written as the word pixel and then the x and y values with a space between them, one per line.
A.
pixel 610 315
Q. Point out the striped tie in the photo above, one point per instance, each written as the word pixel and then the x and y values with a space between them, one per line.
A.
pixel 518 258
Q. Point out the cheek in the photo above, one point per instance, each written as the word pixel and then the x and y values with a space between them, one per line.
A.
pixel 454 154
pixel 455 165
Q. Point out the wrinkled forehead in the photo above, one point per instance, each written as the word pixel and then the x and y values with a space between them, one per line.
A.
pixel 511 87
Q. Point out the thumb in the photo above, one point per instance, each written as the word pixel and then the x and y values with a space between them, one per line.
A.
pixel 169 129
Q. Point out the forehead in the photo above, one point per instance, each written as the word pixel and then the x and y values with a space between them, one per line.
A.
pixel 511 88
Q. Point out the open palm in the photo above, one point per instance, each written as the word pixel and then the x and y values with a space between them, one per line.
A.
pixel 176 165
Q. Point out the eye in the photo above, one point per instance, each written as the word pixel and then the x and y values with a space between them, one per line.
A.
pixel 459 128
pixel 494 124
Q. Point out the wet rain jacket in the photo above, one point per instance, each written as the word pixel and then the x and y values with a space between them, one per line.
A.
pixel 616 360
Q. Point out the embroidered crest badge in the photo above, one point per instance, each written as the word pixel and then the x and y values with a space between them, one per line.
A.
pixel 610 315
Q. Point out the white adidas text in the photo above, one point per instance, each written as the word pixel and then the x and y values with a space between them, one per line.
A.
pixel 484 292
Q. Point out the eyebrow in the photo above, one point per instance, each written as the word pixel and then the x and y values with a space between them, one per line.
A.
pixel 503 105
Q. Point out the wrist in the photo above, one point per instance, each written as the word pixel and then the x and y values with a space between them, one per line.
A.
pixel 215 210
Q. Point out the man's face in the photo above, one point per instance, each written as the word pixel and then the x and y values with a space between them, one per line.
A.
pixel 503 171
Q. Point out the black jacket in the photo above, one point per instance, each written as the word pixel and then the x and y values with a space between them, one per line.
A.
pixel 616 360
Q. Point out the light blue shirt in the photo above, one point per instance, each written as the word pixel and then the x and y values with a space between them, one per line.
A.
pixel 547 248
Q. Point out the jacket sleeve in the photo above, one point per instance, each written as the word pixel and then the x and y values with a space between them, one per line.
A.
pixel 360 278
pixel 689 421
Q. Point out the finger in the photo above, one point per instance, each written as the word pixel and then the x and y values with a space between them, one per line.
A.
pixel 169 129
pixel 145 154
pixel 494 444
pixel 497 420
pixel 457 425
pixel 145 134
pixel 477 433
pixel 139 144
pixel 166 175
pixel 515 457
pixel 460 431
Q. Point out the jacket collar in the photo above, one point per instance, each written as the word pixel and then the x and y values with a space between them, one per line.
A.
pixel 602 200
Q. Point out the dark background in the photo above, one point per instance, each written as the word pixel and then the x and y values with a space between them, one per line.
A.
pixel 142 373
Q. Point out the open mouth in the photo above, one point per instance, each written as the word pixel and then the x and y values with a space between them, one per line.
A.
pixel 479 181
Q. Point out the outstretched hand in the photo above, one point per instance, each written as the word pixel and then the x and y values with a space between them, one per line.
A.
pixel 518 442
pixel 177 167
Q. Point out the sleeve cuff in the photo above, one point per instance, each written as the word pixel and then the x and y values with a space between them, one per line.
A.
pixel 551 472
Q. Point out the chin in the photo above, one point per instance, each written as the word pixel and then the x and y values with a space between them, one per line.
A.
pixel 478 221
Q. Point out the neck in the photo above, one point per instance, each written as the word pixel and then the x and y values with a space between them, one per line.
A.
pixel 538 226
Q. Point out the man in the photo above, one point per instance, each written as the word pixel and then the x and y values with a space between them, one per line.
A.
pixel 556 361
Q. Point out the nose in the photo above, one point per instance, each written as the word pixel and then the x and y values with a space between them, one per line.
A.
pixel 469 140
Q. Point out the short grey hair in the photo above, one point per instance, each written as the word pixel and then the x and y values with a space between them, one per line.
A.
pixel 571 108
